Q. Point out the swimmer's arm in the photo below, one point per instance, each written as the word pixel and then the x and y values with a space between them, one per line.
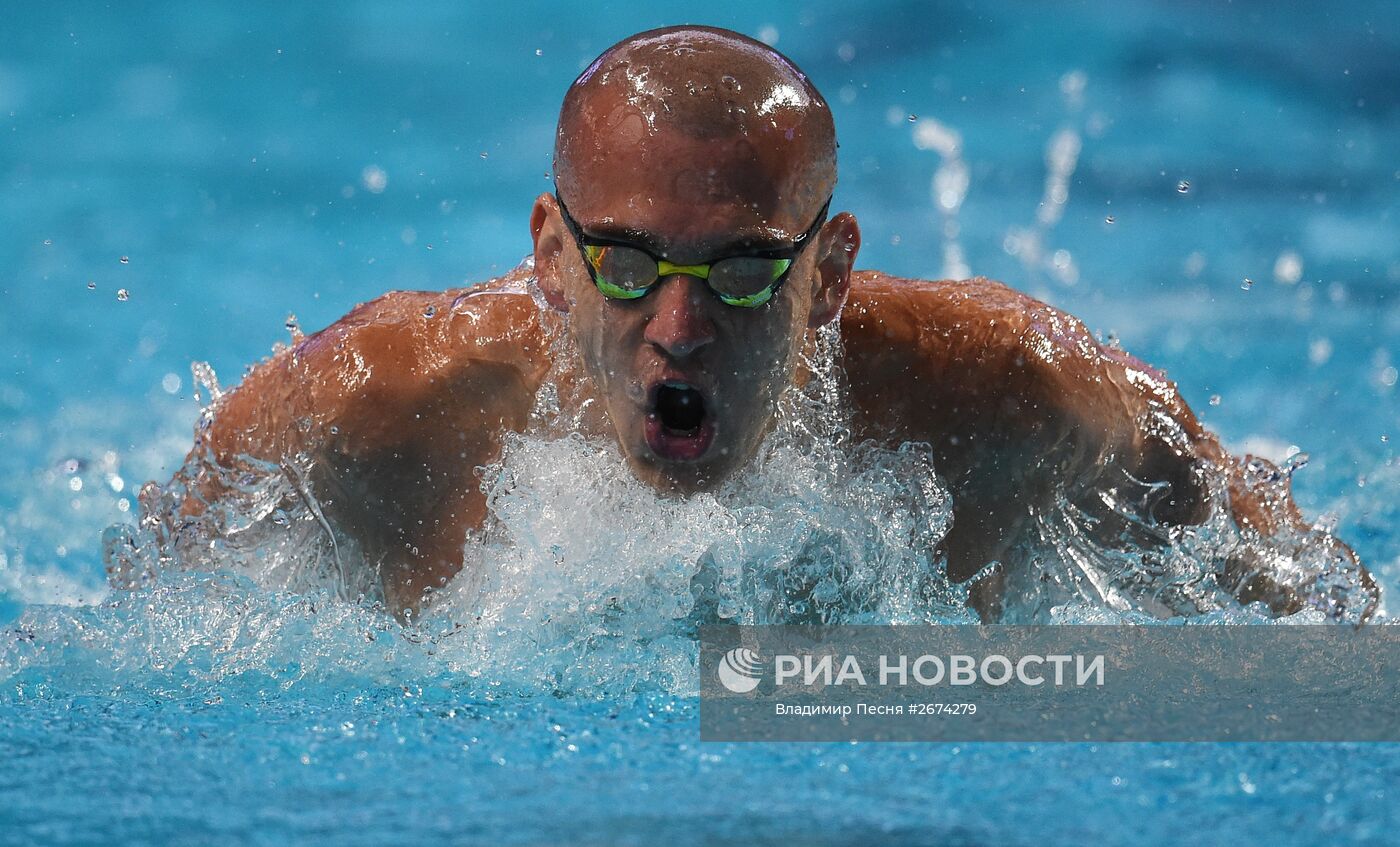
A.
pixel 943 363
pixel 1125 422
pixel 1023 406
pixel 393 407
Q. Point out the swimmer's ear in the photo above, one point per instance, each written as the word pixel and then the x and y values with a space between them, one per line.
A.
pixel 838 242
pixel 547 230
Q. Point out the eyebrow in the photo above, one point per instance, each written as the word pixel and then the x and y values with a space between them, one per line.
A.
pixel 756 245
pixel 751 242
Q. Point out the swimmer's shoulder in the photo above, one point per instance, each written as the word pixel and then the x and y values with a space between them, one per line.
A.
pixel 890 316
pixel 959 361
pixel 424 335
pixel 391 370
pixel 976 358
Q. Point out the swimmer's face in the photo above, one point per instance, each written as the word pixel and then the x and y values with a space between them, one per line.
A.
pixel 692 385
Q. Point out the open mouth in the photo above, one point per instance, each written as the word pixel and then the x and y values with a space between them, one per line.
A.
pixel 680 408
pixel 679 424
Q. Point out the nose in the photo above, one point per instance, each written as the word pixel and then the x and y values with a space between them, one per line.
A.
pixel 681 324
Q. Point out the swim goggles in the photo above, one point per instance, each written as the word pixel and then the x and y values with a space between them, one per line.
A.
pixel 624 271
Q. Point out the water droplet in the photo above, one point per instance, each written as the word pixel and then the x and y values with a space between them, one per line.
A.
pixel 292 325
pixel 203 377
pixel 1183 187
pixel 429 312
pixel 126 260
pixel 1247 284
pixel 123 295
pixel 1288 268
pixel 1108 220
pixel 539 52
pixel 374 179
pixel 48 242
pixel 913 118
pixel 1073 83
pixel 1195 263
pixel 1319 351
pixel 1385 439
pixel 1295 463
pixel 483 154
pixel 92 286
pixel 1215 399
pixel 335 430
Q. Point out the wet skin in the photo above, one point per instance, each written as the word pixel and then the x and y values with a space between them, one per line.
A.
pixel 401 400
pixel 1017 400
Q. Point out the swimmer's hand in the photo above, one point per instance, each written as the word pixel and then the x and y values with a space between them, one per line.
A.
pixel 1274 571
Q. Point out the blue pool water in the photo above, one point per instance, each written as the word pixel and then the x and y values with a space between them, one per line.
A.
pixel 227 164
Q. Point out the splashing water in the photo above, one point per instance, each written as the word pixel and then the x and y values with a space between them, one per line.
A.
pixel 224 706
pixel 583 563
pixel 1031 244
pixel 950 184
pixel 1178 571
pixel 585 580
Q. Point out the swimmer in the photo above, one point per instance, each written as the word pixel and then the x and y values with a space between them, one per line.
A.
pixel 690 252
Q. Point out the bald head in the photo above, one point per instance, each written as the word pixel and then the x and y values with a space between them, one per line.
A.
pixel 702 117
